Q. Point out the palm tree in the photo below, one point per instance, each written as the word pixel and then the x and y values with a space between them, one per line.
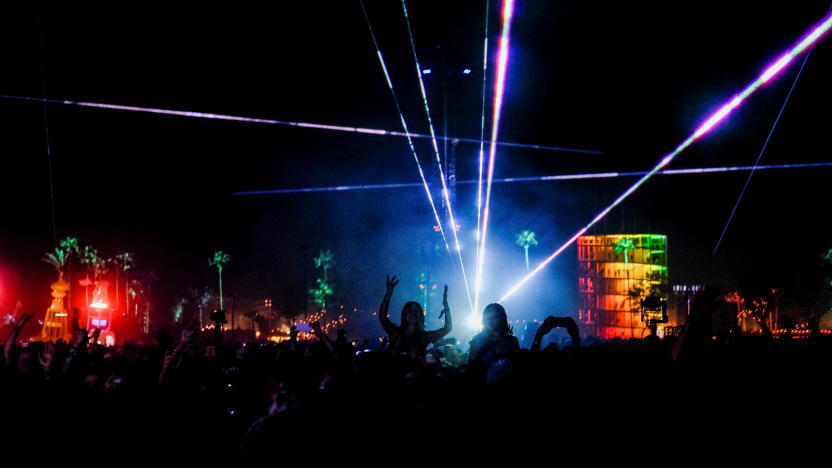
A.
pixel 94 261
pixel 625 245
pixel 320 293
pixel 57 260
pixel 324 260
pixel 219 260
pixel 123 262
pixel 71 249
pixel 526 239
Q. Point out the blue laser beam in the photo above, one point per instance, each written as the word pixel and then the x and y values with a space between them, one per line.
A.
pixel 548 178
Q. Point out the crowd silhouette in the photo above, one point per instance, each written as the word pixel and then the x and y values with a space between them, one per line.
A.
pixel 704 397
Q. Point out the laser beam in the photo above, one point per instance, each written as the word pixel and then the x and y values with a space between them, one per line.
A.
pixel 499 88
pixel 406 131
pixel 310 125
pixel 548 178
pixel 445 193
pixel 711 122
pixel 482 139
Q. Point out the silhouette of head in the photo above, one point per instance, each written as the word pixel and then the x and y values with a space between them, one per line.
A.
pixel 495 320
pixel 412 314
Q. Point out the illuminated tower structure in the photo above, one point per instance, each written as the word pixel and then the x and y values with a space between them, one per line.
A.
pixel 55 324
pixel 612 281
pixel 100 313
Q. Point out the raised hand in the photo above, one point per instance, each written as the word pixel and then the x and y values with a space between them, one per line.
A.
pixel 391 283
pixel 20 321
pixel 445 307
pixel 548 324
pixel 95 334
pixel 45 356
pixel 316 328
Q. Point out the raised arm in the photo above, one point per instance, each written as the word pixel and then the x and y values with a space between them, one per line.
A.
pixel 16 325
pixel 556 322
pixel 544 328
pixel 172 359
pixel 383 308
pixel 319 332
pixel 449 325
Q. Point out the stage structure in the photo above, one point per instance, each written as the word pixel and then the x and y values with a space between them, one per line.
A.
pixel 615 273
pixel 100 314
pixel 55 324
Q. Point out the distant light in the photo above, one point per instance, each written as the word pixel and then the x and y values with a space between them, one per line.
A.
pixel 426 71
pixel 475 321
pixel 467 71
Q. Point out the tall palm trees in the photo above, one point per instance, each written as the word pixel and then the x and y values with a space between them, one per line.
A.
pixel 526 239
pixel 219 260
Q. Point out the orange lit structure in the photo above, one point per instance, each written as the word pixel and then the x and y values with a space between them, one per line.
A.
pixel 56 323
pixel 613 280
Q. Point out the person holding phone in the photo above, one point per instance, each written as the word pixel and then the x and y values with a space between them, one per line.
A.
pixel 409 339
pixel 556 322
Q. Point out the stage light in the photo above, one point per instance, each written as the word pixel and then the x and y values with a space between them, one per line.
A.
pixel 466 71
pixel 426 71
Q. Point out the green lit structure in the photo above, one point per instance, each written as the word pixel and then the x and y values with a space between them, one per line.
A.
pixel 615 272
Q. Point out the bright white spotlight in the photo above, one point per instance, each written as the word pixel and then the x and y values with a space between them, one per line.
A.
pixel 475 321
pixel 467 71
pixel 426 71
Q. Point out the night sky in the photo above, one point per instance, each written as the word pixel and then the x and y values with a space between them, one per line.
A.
pixel 630 79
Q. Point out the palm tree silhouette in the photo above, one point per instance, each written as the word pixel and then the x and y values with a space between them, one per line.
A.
pixel 219 260
pixel 91 258
pixel 71 249
pixel 57 260
pixel 123 262
pixel 526 239
pixel 325 260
